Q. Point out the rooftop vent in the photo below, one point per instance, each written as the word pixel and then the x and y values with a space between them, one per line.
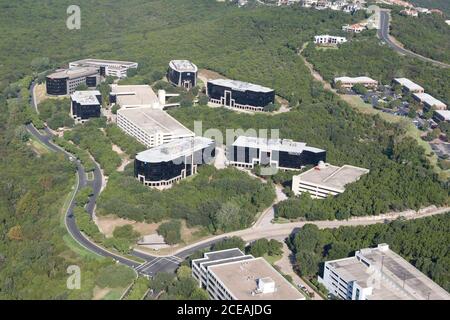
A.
pixel 266 285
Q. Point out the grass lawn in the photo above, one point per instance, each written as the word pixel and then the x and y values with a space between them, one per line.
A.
pixel 272 259
pixel 39 147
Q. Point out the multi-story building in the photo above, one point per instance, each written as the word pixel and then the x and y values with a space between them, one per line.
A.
pixel 409 86
pixel 182 73
pixel 114 68
pixel 152 127
pixel 349 82
pixel 429 102
pixel 65 81
pixel 240 95
pixel 232 275
pixel 85 105
pixel 441 116
pixel 378 274
pixel 171 162
pixel 134 96
pixel 329 40
pixel 326 180
pixel 246 152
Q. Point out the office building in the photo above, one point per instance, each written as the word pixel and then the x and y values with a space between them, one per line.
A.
pixel 113 68
pixel 349 82
pixel 327 40
pixel 240 95
pixel 85 105
pixel 134 96
pixel 152 127
pixel 65 81
pixel 429 102
pixel 441 116
pixel 378 274
pixel 182 73
pixel 409 86
pixel 232 275
pixel 171 162
pixel 246 152
pixel 325 180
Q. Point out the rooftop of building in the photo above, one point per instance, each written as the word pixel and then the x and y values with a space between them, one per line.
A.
pixel 240 85
pixel 329 176
pixel 411 86
pixel 105 62
pixel 183 66
pixel 86 97
pixel 241 280
pixel 73 73
pixel 428 99
pixel 135 95
pixel 154 121
pixel 404 280
pixel 274 144
pixel 444 113
pixel 329 36
pixel 174 149
pixel 355 80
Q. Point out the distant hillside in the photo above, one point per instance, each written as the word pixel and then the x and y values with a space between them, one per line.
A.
pixel 443 5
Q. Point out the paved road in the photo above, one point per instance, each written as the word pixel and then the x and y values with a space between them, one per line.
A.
pixel 383 34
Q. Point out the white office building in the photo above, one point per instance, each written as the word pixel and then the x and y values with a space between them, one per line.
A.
pixel 329 40
pixel 114 68
pixel 152 127
pixel 429 101
pixel 232 275
pixel 326 180
pixel 134 96
pixel 409 86
pixel 378 274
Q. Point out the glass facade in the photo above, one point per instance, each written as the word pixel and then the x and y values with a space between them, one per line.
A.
pixel 57 87
pixel 251 98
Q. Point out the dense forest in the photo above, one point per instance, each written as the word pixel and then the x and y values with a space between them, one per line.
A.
pixel 367 56
pixel 423 242
pixel 428 35
pixel 443 5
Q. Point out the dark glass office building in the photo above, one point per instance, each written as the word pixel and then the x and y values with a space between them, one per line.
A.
pixel 182 73
pixel 56 86
pixel 66 81
pixel 242 95
pixel 247 152
pixel 86 105
pixel 171 162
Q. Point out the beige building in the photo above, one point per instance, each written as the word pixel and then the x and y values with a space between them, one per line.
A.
pixel 349 82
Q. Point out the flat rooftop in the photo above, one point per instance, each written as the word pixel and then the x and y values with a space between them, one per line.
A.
pixel 428 99
pixel 105 62
pixel 274 144
pixel 444 113
pixel 135 95
pixel 409 282
pixel 174 149
pixel 355 80
pixel 73 73
pixel 240 86
pixel 241 280
pixel 334 177
pixel 183 66
pixel 154 121
pixel 86 97
pixel 411 86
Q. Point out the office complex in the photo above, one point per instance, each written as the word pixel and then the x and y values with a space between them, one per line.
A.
pixel 327 40
pixel 349 82
pixel 429 102
pixel 182 73
pixel 171 162
pixel 85 105
pixel 152 127
pixel 378 274
pixel 232 275
pixel 65 81
pixel 118 69
pixel 134 96
pixel 246 152
pixel 441 116
pixel 240 95
pixel 409 86
pixel 325 180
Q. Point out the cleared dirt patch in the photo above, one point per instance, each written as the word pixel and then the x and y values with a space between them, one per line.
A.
pixel 107 224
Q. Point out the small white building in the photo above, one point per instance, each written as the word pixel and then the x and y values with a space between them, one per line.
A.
pixel 325 180
pixel 349 82
pixel 329 40
pixel 378 274
pixel 355 28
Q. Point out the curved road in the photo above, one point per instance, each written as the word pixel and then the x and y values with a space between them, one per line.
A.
pixel 383 34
